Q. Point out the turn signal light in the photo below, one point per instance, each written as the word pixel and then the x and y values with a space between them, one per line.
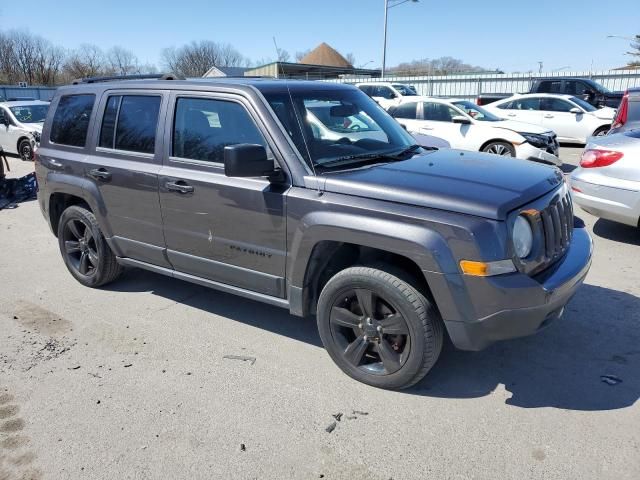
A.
pixel 486 269
pixel 599 158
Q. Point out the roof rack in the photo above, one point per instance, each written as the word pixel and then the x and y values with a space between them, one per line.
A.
pixel 158 76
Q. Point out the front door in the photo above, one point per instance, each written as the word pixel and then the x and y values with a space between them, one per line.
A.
pixel 557 116
pixel 124 168
pixel 230 230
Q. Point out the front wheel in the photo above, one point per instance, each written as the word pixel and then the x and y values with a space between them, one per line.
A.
pixel 378 328
pixel 25 150
pixel 500 148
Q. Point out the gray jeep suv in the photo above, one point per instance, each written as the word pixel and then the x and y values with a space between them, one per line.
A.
pixel 308 196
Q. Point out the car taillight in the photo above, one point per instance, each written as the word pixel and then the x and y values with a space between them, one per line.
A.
pixel 621 116
pixel 599 158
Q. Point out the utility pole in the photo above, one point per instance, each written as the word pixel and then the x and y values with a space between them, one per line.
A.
pixel 539 67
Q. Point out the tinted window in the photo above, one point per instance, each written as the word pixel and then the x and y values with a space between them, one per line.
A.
pixel 384 92
pixel 554 105
pixel 438 112
pixel 71 120
pixel 406 110
pixel 366 89
pixel 549 86
pixel 524 104
pixel 577 88
pixel 108 130
pixel 202 128
pixel 129 123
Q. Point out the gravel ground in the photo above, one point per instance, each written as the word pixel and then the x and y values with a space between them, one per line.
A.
pixel 131 382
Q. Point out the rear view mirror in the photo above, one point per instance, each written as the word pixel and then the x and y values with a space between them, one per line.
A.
pixel 343 110
pixel 247 160
pixel 461 120
pixel 575 110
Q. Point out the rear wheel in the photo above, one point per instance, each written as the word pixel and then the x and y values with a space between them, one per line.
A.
pixel 378 328
pixel 84 249
pixel 500 148
pixel 25 150
pixel 601 132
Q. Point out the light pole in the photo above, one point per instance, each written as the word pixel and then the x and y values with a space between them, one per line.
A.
pixel 387 5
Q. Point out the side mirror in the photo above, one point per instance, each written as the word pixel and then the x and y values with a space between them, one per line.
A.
pixel 576 111
pixel 461 120
pixel 247 160
pixel 392 95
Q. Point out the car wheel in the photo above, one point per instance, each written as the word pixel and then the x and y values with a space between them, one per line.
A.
pixel 84 249
pixel 601 132
pixel 25 150
pixel 378 328
pixel 500 148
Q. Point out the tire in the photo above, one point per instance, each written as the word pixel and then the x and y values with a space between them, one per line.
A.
pixel 25 150
pixel 357 342
pixel 84 249
pixel 602 131
pixel 503 149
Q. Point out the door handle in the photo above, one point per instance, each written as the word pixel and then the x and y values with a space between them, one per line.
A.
pixel 548 116
pixel 511 114
pixel 179 186
pixel 54 164
pixel 100 174
pixel 426 128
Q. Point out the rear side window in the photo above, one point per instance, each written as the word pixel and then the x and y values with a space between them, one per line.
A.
pixel 203 127
pixel 523 104
pixel 130 123
pixel 438 112
pixel 71 120
pixel 549 86
pixel 405 110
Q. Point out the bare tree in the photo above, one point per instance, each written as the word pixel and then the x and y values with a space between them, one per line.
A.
pixel 351 58
pixel 194 59
pixel 300 55
pixel 122 61
pixel 635 51
pixel 86 61
pixel 29 58
pixel 437 66
pixel 283 55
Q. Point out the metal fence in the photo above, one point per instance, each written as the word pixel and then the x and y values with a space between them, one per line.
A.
pixel 38 93
pixel 470 86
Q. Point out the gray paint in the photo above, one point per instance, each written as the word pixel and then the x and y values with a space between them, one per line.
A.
pixel 255 237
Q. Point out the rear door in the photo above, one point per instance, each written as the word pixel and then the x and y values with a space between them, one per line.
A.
pixel 230 230
pixel 526 109
pixel 437 120
pixel 407 114
pixel 124 166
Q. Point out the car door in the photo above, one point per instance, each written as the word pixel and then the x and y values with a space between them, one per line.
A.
pixel 407 115
pixel 557 116
pixel 437 119
pixel 385 96
pixel 525 109
pixel 123 166
pixel 9 132
pixel 229 230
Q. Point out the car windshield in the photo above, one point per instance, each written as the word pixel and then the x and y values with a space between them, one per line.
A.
pixel 596 86
pixel 582 104
pixel 30 113
pixel 406 90
pixel 338 127
pixel 476 112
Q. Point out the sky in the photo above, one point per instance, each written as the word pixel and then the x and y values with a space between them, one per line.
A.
pixel 510 35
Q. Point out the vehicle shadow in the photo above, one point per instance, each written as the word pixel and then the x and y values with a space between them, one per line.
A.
pixel 562 366
pixel 250 312
pixel 617 232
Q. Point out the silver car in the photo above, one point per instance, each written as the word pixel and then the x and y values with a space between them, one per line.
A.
pixel 607 183
pixel 21 126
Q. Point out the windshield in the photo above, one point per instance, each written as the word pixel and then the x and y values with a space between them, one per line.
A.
pixel 343 124
pixel 406 90
pixel 584 105
pixel 597 87
pixel 30 113
pixel 476 112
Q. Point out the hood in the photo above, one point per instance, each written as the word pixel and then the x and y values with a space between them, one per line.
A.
pixel 605 113
pixel 471 183
pixel 518 127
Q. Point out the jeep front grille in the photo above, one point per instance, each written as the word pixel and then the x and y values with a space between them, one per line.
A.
pixel 557 222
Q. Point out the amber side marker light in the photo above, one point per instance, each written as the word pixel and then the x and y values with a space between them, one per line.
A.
pixel 486 269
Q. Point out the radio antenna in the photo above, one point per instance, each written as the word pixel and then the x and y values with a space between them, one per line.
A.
pixel 297 115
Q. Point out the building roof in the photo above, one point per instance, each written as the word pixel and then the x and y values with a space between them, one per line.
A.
pixel 325 55
pixel 225 72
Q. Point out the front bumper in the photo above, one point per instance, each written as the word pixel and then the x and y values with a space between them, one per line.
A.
pixel 489 309
pixel 526 151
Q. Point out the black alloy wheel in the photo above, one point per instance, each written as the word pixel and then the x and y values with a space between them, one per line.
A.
pixel 80 247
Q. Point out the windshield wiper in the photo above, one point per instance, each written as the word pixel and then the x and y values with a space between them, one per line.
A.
pixel 396 156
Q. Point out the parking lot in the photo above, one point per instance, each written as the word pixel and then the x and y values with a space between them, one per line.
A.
pixel 156 378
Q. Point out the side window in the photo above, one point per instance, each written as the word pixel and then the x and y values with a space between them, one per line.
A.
pixel 384 92
pixel 554 105
pixel 366 89
pixel 71 120
pixel 526 104
pixel 406 110
pixel 130 122
pixel 578 88
pixel 506 106
pixel 549 86
pixel 203 127
pixel 438 112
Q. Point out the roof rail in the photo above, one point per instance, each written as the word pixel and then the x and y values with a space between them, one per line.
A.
pixel 112 78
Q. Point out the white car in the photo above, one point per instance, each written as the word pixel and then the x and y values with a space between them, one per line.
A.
pixel 467 126
pixel 607 183
pixel 21 126
pixel 573 119
pixel 387 94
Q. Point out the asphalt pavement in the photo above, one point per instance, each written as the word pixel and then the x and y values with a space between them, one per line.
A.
pixel 154 378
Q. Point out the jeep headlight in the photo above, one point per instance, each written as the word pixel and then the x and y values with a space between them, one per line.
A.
pixel 522 237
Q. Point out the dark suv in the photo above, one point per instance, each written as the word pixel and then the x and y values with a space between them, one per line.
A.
pixel 237 185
